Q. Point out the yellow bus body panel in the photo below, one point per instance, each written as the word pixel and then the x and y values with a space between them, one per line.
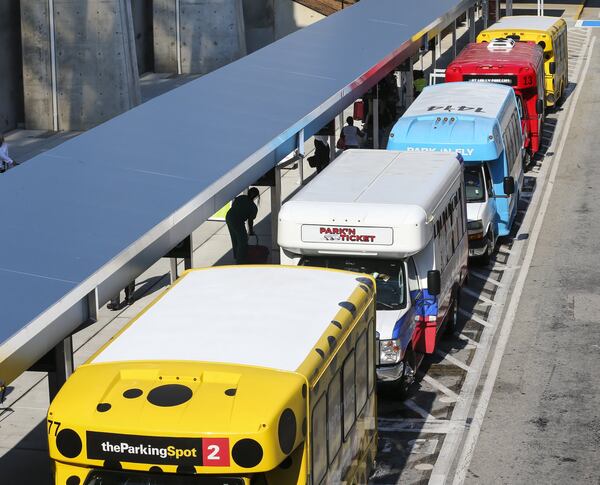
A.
pixel 244 409
pixel 555 84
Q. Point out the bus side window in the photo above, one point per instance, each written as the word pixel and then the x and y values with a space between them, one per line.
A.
pixel 413 279
pixel 371 347
pixel 349 393
pixel 488 181
pixel 334 416
pixel 361 373
pixel 319 440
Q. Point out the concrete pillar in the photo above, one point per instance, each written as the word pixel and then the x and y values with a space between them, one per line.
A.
pixel 197 36
pixel 86 72
pixel 259 23
pixel 142 26
pixel 11 86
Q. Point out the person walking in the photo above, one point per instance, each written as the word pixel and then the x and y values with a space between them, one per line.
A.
pixel 351 133
pixel 243 209
pixel 5 161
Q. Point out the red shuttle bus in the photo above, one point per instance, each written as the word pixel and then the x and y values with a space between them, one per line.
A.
pixel 517 64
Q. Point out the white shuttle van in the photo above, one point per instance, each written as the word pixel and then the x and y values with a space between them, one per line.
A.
pixel 401 217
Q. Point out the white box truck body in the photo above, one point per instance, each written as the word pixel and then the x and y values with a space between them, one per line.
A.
pixel 399 216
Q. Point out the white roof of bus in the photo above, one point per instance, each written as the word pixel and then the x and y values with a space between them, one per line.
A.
pixel 263 316
pixel 379 178
pixel 525 22
pixel 447 99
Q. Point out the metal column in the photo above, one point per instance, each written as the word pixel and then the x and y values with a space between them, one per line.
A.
pixel 486 13
pixel 509 7
pixel 300 153
pixel 185 250
pixel 471 25
pixel 376 118
pixel 454 47
pixel 62 366
pixel 275 207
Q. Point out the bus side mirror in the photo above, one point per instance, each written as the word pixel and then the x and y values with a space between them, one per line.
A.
pixel 509 185
pixel 434 282
pixel 552 68
pixel 539 106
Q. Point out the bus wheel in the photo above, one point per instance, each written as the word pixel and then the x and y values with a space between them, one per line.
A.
pixel 489 249
pixel 452 320
pixel 526 160
pixel 409 371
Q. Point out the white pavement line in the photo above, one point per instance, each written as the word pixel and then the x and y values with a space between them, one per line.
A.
pixel 483 277
pixel 469 340
pixel 413 406
pixel 437 426
pixel 475 318
pixel 453 360
pixel 440 387
pixel 480 297
pixel 476 423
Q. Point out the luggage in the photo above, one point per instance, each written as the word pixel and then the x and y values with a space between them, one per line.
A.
pixel 257 254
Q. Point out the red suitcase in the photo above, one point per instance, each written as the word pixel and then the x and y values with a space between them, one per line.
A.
pixel 257 254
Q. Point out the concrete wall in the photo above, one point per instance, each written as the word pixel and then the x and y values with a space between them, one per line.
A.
pixel 291 16
pixel 96 66
pixel 11 85
pixel 142 26
pixel 211 34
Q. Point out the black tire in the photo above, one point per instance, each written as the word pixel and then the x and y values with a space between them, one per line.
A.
pixel 489 250
pixel 408 378
pixel 452 319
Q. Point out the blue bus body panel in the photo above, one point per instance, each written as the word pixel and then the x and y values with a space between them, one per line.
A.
pixel 475 135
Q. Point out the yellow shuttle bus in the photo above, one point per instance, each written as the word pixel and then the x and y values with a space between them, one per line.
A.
pixel 252 375
pixel 548 32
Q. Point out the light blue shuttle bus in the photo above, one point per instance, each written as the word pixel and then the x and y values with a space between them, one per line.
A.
pixel 482 123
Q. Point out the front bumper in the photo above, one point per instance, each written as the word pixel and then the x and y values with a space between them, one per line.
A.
pixel 390 373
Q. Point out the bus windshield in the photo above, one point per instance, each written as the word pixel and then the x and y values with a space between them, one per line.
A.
pixel 388 274
pixel 105 477
pixel 474 184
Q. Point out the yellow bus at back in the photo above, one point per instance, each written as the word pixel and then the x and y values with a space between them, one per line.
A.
pixel 246 375
pixel 548 32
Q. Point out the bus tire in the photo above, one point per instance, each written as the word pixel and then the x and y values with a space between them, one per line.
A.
pixel 452 319
pixel 489 250
pixel 408 377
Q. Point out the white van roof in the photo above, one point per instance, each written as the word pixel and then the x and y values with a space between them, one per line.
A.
pixel 484 100
pixel 269 316
pixel 524 22
pixel 386 195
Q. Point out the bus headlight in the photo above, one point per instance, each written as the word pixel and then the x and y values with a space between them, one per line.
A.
pixel 389 351
pixel 475 229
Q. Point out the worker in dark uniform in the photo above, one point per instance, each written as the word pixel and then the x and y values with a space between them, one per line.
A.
pixel 243 209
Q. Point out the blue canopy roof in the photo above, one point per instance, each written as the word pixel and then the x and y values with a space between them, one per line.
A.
pixel 101 208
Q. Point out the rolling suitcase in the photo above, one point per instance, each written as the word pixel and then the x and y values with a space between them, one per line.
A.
pixel 257 254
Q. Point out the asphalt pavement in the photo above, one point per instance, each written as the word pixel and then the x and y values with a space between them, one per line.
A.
pixel 543 419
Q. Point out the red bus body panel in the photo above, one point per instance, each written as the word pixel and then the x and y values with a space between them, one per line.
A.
pixel 521 67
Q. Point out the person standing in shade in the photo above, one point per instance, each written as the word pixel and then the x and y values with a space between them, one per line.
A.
pixel 350 134
pixel 320 159
pixel 419 82
pixel 243 209
pixel 5 161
